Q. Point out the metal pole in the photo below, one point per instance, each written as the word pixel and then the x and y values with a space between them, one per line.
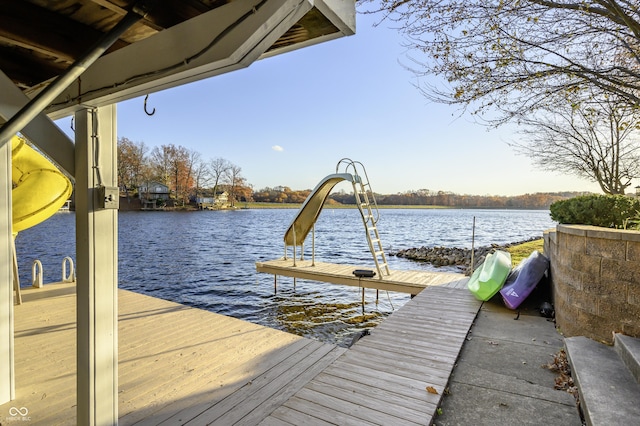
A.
pixel 313 245
pixel 63 81
pixel 473 240
pixel 295 240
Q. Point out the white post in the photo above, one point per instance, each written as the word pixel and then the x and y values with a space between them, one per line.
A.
pixel 97 275
pixel 7 374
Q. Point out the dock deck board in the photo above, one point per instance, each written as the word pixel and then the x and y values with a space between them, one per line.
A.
pixel 388 372
pixel 182 365
pixel 411 282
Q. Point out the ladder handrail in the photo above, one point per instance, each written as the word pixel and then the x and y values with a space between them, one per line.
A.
pixel 349 163
pixel 369 220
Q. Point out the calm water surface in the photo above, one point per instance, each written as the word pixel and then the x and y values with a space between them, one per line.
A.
pixel 207 259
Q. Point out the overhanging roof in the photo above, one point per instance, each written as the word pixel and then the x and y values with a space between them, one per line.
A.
pixel 177 42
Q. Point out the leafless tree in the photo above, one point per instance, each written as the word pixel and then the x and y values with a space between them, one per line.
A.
pixel 218 170
pixel 509 56
pixel 595 139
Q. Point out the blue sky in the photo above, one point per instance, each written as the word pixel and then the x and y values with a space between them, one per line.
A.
pixel 349 97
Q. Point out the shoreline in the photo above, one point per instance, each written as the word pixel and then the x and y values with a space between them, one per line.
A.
pixel 454 256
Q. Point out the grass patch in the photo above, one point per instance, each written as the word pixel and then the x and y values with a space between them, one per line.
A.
pixel 268 205
pixel 522 251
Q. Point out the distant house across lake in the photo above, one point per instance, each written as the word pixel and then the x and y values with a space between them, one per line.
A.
pixel 153 195
pixel 220 201
pixel 154 191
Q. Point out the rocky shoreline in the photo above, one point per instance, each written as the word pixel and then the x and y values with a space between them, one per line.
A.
pixel 453 256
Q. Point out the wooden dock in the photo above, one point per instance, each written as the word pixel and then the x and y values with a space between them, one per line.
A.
pixel 411 282
pixel 181 365
pixel 395 376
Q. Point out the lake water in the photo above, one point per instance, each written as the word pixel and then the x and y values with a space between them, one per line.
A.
pixel 206 259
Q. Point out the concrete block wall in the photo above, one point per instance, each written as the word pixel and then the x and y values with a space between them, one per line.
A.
pixel 596 280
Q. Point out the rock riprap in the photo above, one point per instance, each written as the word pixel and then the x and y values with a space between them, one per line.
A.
pixel 452 256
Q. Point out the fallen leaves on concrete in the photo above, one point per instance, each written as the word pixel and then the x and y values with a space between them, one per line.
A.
pixel 561 366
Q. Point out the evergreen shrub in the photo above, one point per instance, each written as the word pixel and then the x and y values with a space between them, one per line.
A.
pixel 609 211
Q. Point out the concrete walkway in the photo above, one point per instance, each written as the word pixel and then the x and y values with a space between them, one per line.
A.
pixel 499 378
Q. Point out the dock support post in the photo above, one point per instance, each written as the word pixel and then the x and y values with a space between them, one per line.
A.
pixel 295 241
pixel 362 300
pixel 275 284
pixel 7 373
pixel 97 258
pixel 313 245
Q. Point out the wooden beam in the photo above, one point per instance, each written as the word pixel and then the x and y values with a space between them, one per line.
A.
pixel 65 38
pixel 27 69
pixel 41 131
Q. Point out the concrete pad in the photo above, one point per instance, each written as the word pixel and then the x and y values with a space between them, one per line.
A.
pixel 505 359
pixel 499 377
pixel 478 406
pixel 532 330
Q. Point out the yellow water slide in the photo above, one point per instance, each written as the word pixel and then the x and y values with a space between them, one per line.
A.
pixel 311 209
pixel 39 188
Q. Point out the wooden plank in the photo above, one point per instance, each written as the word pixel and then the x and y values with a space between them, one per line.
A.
pixel 273 421
pixel 412 366
pixel 367 400
pixel 270 404
pixel 181 411
pixel 341 407
pixel 317 412
pixel 438 348
pixel 431 358
pixel 232 408
pixel 383 396
pixel 216 373
pixel 285 416
pixel 270 400
pixel 387 378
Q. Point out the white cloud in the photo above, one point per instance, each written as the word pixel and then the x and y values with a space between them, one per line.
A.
pixel 277 148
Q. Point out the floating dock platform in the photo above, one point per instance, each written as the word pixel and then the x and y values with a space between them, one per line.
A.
pixel 412 282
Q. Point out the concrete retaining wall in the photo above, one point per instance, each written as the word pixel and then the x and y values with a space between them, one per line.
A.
pixel 596 280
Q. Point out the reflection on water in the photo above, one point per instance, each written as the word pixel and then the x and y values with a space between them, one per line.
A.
pixel 207 259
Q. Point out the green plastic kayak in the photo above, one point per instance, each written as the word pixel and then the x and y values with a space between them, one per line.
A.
pixel 489 278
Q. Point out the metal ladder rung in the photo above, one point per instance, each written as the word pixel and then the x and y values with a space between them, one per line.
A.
pixel 366 201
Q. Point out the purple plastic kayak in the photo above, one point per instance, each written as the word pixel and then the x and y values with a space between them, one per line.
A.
pixel 523 279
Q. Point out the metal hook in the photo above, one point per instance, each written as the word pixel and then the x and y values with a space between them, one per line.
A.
pixel 145 107
pixel 72 124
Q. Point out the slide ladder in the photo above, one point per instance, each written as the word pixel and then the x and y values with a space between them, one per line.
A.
pixel 366 202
